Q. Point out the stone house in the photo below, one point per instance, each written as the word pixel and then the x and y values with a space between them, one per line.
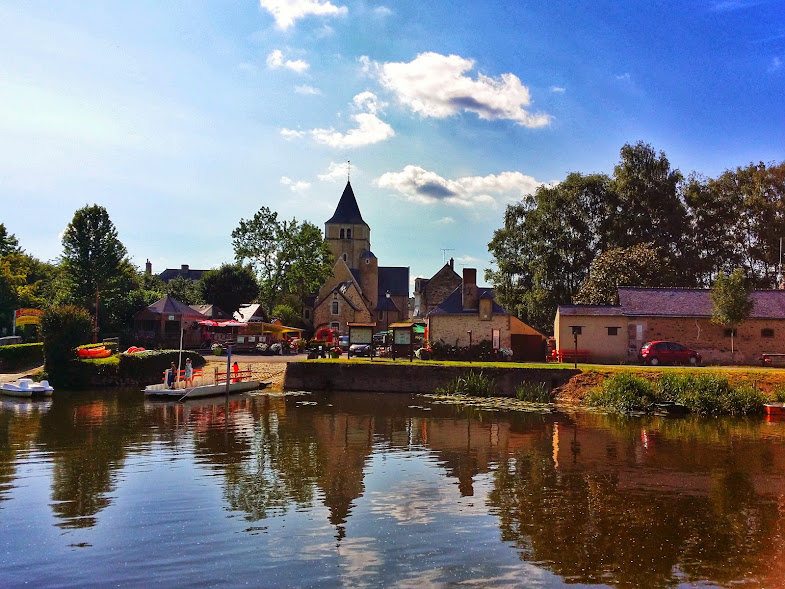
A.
pixel 429 293
pixel 472 308
pixel 615 334
pixel 359 290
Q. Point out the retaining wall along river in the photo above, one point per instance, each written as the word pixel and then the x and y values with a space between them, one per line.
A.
pixel 409 378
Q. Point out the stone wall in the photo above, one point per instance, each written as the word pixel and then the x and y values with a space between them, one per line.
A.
pixel 413 378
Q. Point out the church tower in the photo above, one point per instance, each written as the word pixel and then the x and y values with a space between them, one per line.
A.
pixel 348 236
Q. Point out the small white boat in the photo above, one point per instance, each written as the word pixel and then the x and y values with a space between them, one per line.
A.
pixel 207 390
pixel 26 387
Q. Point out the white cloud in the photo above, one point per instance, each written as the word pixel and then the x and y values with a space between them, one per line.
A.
pixel 275 60
pixel 292 134
pixel 337 171
pixel 444 221
pixel 436 85
pixel 286 12
pixel 419 185
pixel 382 12
pixel 625 77
pixel 776 65
pixel 307 90
pixel 298 186
pixel 557 89
pixel 370 128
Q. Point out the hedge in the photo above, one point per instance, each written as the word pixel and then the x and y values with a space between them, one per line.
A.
pixel 18 357
pixel 149 366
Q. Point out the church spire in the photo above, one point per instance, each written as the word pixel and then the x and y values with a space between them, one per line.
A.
pixel 347 211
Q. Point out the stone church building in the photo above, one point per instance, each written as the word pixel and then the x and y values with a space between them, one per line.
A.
pixel 359 291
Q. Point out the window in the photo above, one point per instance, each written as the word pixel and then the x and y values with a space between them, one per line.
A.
pixel 335 307
pixel 767 333
pixel 307 313
pixel 348 234
pixel 576 329
pixel 335 326
pixel 613 331
pixel 345 257
pixel 730 332
pixel 341 233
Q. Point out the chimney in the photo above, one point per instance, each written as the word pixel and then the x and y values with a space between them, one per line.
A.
pixel 469 288
pixel 148 267
pixel 184 268
pixel 452 264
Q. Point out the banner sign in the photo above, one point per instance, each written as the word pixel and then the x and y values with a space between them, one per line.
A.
pixel 27 316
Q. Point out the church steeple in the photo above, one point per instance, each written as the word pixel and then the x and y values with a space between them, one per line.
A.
pixel 347 234
pixel 347 211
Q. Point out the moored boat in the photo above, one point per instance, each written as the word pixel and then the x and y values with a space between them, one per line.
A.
pixel 775 409
pixel 26 387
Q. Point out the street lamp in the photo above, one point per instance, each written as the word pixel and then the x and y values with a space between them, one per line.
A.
pixel 387 318
pixel 576 331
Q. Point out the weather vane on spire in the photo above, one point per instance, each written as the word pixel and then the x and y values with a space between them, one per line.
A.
pixel 348 170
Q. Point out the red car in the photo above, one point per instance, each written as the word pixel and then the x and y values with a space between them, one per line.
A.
pixel 655 353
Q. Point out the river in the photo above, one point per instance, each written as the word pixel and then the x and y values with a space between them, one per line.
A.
pixel 105 489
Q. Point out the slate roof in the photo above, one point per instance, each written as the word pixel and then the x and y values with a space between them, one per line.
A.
pixel 251 312
pixel 385 304
pixel 341 289
pixel 171 306
pixel 211 311
pixel 395 279
pixel 596 310
pixel 678 302
pixel 172 273
pixel 453 304
pixel 347 210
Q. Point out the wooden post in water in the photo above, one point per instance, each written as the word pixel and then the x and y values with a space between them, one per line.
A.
pixel 228 366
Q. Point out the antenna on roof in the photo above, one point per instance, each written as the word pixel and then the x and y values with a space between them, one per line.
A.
pixel 445 250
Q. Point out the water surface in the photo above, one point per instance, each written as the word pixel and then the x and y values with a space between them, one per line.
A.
pixel 106 489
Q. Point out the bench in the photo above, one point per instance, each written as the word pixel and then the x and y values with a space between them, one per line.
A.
pixel 570 356
pixel 769 358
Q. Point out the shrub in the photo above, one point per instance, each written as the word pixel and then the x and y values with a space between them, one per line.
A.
pixel 473 385
pixel 62 330
pixel 533 392
pixel 779 394
pixel 149 366
pixel 21 356
pixel 743 400
pixel 623 392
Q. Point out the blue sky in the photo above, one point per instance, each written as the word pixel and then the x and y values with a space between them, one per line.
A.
pixel 181 118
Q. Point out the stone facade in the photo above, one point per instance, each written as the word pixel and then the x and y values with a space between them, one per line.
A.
pixel 429 293
pixel 615 334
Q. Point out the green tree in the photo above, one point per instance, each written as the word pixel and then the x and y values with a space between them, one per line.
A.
pixel 731 301
pixel 288 315
pixel 543 252
pixel 23 280
pixel 62 330
pixel 92 256
pixel 649 200
pixel 184 290
pixel 288 257
pixel 229 287
pixel 8 242
pixel 640 265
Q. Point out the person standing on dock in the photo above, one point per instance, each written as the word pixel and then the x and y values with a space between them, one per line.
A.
pixel 170 376
pixel 189 373
pixel 236 370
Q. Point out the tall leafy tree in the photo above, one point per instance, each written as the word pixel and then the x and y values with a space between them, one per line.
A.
pixel 24 281
pixel 547 244
pixel 639 265
pixel 184 290
pixel 93 256
pixel 9 244
pixel 731 301
pixel 288 257
pixel 229 287
pixel 650 204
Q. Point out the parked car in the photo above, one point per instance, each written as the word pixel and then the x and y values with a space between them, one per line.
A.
pixel 661 352
pixel 360 350
pixel 343 342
